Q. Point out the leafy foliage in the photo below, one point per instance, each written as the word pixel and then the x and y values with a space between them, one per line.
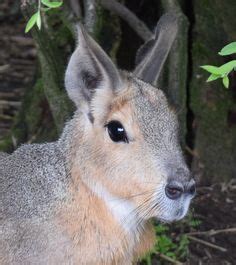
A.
pixel 171 244
pixel 224 70
pixel 50 4
pixel 43 6
pixel 32 22
pixel 228 49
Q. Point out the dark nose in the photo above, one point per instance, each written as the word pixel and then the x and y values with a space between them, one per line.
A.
pixel 175 189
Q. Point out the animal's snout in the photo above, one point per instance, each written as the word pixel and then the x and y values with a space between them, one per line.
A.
pixel 175 189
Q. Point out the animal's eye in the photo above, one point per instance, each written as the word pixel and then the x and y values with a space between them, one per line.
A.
pixel 116 132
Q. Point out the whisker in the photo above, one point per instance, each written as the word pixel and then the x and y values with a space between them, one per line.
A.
pixel 134 195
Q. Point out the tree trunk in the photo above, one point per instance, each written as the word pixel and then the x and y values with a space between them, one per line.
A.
pixel 52 66
pixel 214 106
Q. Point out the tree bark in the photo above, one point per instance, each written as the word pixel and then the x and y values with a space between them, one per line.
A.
pixel 53 68
pixel 214 106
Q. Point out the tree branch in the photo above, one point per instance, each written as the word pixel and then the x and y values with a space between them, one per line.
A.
pixel 169 259
pixel 76 8
pixel 90 15
pixel 134 22
pixel 174 78
pixel 207 243
pixel 213 232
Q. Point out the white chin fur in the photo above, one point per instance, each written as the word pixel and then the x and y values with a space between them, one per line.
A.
pixel 173 210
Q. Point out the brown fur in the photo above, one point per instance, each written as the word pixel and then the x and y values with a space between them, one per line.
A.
pixel 90 227
pixel 94 232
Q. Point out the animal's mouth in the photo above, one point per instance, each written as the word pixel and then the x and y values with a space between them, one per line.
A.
pixel 173 210
pixel 174 200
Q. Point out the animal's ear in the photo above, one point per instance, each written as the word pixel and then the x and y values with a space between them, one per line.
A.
pixel 152 55
pixel 89 69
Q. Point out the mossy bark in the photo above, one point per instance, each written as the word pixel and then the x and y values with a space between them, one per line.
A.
pixel 107 32
pixel 34 122
pixel 46 106
pixel 212 104
pixel 52 68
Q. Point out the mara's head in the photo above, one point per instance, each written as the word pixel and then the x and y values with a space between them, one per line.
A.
pixel 126 144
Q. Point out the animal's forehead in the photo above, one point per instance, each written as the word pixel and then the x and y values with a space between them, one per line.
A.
pixel 156 119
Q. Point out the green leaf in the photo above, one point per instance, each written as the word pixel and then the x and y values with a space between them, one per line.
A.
pixel 213 77
pixel 226 68
pixel 195 222
pixel 45 9
pixel 39 20
pixel 222 70
pixel 161 228
pixel 171 255
pixel 226 82
pixel 228 49
pixel 52 4
pixel 31 22
pixel 211 69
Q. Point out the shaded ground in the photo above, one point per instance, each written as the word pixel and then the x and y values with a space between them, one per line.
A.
pixel 215 206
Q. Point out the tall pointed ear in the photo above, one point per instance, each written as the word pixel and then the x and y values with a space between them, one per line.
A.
pixel 152 55
pixel 89 69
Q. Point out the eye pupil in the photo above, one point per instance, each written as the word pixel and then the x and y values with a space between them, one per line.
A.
pixel 116 132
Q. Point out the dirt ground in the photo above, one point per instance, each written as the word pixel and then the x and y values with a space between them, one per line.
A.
pixel 215 206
